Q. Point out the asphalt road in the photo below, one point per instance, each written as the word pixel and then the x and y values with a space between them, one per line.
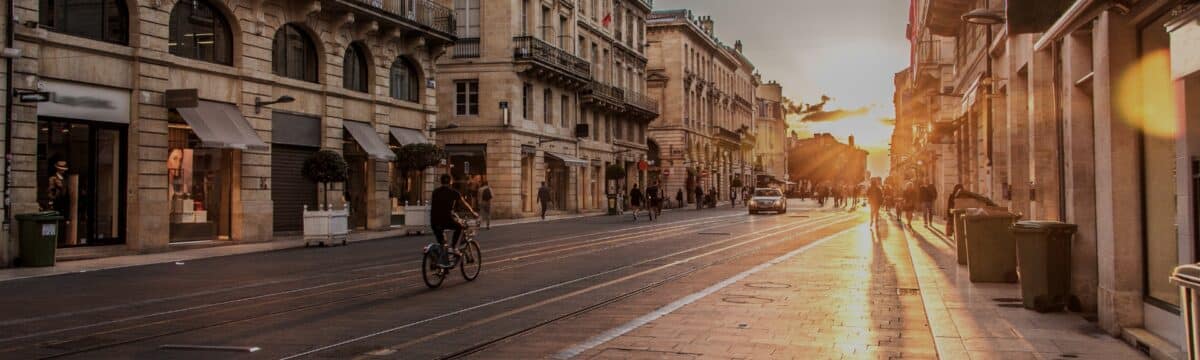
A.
pixel 367 300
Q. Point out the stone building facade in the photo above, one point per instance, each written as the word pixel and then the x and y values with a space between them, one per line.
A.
pixel 1091 123
pixel 707 90
pixel 771 130
pixel 164 124
pixel 547 92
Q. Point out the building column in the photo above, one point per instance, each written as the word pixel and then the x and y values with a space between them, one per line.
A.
pixel 1018 127
pixel 1080 165
pixel 1118 217
pixel 1043 137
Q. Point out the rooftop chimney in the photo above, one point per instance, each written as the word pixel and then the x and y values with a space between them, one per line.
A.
pixel 737 45
pixel 706 24
pixel 851 141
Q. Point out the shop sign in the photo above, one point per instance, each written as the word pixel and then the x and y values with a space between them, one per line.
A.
pixel 84 102
pixel 181 98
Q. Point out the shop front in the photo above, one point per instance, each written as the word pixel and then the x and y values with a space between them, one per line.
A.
pixel 468 168
pixel 362 145
pixel 558 178
pixel 406 186
pixel 204 145
pixel 81 157
pixel 294 138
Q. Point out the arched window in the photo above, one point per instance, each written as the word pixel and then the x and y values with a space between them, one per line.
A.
pixel 104 20
pixel 294 54
pixel 406 81
pixel 354 68
pixel 199 31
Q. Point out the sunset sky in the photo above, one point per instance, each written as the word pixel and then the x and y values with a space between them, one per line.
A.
pixel 846 49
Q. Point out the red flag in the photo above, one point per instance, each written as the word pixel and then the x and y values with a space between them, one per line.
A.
pixel 607 20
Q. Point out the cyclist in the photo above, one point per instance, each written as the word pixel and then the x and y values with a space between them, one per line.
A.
pixel 442 216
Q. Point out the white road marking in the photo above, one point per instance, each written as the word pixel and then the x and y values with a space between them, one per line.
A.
pixel 667 309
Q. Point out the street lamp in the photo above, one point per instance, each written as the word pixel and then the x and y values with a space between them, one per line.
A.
pixel 986 18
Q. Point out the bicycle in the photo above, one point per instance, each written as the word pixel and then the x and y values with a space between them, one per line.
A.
pixel 436 263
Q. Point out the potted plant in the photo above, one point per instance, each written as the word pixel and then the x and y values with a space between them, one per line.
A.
pixel 415 158
pixel 326 225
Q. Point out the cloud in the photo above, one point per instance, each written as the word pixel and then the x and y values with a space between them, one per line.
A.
pixel 834 115
pixel 800 108
pixel 889 121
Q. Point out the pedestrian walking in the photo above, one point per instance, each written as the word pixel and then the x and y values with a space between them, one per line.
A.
pixel 636 198
pixel 679 198
pixel 875 200
pixel 733 194
pixel 621 200
pixel 712 197
pixel 912 199
pixel 699 197
pixel 485 204
pixel 654 197
pixel 543 198
pixel 928 196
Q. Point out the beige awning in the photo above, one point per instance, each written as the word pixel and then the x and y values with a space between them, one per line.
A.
pixel 568 159
pixel 220 125
pixel 364 134
pixel 406 136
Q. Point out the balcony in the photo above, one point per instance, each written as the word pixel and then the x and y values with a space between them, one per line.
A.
pixel 426 15
pixel 731 138
pixel 550 63
pixel 604 97
pixel 641 106
pixel 466 48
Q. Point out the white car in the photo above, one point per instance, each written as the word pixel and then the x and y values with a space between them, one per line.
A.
pixel 768 199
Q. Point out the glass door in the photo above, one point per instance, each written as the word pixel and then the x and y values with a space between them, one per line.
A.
pixel 79 172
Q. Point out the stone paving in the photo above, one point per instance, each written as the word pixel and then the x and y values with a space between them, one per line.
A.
pixel 884 294
pixel 853 296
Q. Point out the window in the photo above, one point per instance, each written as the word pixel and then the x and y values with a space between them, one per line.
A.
pixel 546 24
pixel 466 15
pixel 524 17
pixel 527 101
pixel 405 80
pixel 563 34
pixel 199 31
pixel 104 20
pixel 354 68
pixel 595 128
pixel 294 54
pixel 564 114
pixel 547 107
pixel 466 98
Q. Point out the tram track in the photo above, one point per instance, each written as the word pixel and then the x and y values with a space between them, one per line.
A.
pixel 623 237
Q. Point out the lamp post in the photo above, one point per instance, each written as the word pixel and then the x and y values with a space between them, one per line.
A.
pixel 986 18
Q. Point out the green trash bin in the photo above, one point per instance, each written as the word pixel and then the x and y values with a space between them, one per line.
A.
pixel 1044 263
pixel 991 250
pixel 38 238
pixel 960 237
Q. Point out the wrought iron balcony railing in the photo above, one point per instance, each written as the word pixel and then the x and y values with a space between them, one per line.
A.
pixel 425 13
pixel 641 101
pixel 528 48
pixel 603 92
pixel 466 48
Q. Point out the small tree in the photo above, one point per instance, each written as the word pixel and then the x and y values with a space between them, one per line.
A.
pixel 325 167
pixel 417 157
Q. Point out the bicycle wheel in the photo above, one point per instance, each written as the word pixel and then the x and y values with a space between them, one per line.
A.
pixel 430 271
pixel 471 262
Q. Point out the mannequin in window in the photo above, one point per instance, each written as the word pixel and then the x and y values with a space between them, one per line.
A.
pixel 56 189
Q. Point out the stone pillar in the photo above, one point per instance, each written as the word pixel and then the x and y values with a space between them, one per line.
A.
pixel 1080 166
pixel 1043 137
pixel 148 226
pixel 1118 217
pixel 1018 126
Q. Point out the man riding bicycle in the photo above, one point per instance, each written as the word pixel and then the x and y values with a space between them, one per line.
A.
pixel 442 216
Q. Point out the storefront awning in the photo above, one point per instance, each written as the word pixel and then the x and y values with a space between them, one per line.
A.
pixel 408 136
pixel 568 159
pixel 220 125
pixel 370 142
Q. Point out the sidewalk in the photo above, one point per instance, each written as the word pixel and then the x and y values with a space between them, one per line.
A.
pixel 186 252
pixel 982 321
pixel 886 294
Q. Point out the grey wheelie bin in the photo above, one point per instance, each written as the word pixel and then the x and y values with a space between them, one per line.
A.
pixel 960 237
pixel 991 250
pixel 1044 263
pixel 38 238
pixel 1187 277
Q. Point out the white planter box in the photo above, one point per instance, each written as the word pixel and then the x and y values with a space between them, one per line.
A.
pixel 326 227
pixel 416 218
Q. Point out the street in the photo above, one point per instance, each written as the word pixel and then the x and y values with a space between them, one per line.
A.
pixel 368 299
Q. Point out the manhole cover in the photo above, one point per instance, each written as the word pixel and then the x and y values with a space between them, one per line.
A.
pixel 768 285
pixel 746 299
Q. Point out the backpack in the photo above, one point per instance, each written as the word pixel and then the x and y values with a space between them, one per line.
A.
pixel 487 194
